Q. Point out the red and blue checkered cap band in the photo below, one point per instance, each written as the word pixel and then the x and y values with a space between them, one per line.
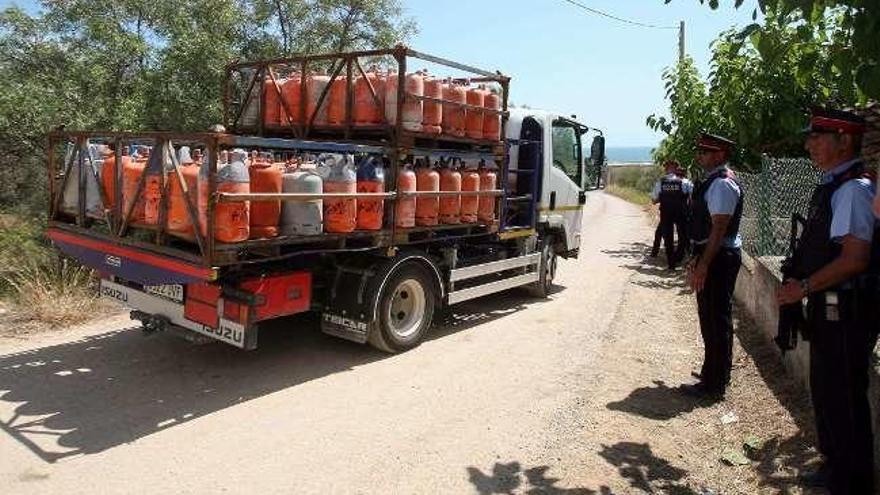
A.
pixel 829 124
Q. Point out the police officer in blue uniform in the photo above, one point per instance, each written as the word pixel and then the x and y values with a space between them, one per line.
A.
pixel 716 209
pixel 836 265
pixel 672 191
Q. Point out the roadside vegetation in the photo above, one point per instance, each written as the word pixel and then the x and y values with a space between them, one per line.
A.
pixel 633 184
pixel 41 285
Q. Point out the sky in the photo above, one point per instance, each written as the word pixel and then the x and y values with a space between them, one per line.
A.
pixel 565 59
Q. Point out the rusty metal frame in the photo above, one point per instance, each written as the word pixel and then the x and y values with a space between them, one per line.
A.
pixel 350 60
pixel 398 146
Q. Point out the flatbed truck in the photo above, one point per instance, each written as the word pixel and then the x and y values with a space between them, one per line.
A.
pixel 378 287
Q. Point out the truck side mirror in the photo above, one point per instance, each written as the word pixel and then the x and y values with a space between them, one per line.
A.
pixel 597 152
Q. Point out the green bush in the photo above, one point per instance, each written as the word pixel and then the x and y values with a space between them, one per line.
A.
pixel 637 178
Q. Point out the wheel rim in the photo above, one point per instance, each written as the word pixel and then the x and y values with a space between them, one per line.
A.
pixel 407 309
pixel 549 267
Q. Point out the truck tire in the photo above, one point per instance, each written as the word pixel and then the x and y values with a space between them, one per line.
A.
pixel 546 270
pixel 405 309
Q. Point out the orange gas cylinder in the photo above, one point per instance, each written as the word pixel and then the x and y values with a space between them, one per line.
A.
pixel 427 208
pixel 488 182
pixel 470 181
pixel 315 85
pixel 179 220
pixel 474 126
pixel 336 101
pixel 450 206
pixel 272 98
pixel 231 220
pixel 370 179
pixel 492 121
pixel 454 116
pixel 405 212
pixel 155 172
pixel 368 110
pixel 108 175
pixel 131 177
pixel 390 85
pixel 433 114
pixel 413 109
pixel 340 214
pixel 290 96
pixel 264 215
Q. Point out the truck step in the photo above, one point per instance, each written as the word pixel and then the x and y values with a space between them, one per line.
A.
pixel 493 267
pixel 528 262
pixel 493 287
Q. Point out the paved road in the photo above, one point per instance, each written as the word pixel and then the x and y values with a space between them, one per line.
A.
pixel 482 406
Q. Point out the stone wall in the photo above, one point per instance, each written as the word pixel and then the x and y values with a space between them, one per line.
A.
pixel 755 292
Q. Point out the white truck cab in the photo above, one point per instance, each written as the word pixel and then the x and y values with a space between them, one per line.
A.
pixel 548 148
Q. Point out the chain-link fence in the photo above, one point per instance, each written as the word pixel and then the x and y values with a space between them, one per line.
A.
pixel 780 189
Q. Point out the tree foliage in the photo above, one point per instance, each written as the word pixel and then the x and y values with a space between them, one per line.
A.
pixel 761 83
pixel 157 64
pixel 854 49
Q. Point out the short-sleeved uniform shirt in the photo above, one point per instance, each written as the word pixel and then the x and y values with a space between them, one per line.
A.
pixel 851 206
pixel 722 198
pixel 687 186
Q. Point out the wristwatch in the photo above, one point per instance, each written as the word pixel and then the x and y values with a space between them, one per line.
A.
pixel 805 287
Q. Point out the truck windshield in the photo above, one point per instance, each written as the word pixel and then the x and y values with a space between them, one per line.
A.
pixel 567 150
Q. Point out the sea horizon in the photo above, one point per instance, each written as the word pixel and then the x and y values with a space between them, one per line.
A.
pixel 629 154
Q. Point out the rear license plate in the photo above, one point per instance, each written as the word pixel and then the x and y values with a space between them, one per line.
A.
pixel 172 292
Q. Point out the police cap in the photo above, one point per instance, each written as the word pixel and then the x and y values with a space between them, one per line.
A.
pixel 712 142
pixel 835 122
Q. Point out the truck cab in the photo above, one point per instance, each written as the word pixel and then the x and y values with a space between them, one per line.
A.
pixel 547 158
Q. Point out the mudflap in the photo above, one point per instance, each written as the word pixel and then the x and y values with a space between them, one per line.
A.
pixel 349 308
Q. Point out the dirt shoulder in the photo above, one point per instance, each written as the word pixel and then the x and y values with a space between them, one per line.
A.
pixel 660 440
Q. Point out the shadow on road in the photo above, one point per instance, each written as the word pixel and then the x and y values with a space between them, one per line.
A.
pixel 635 462
pixel 512 478
pixel 93 394
pixel 655 269
pixel 659 402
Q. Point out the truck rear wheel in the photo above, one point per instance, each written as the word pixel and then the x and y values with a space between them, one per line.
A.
pixel 405 309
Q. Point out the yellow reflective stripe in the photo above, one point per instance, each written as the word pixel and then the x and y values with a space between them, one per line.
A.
pixel 562 208
pixel 513 234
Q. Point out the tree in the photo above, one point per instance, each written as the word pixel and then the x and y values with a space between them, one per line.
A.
pixel 855 47
pixel 761 85
pixel 691 113
pixel 151 64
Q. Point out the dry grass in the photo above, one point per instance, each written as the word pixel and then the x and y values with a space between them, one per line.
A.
pixel 53 291
pixel 39 287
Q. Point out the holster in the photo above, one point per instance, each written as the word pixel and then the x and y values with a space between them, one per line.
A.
pixel 791 316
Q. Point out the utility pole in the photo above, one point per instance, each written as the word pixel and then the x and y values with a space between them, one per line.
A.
pixel 681 41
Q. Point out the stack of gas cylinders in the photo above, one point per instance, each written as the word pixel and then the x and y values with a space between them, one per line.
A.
pixel 431 105
pixel 185 173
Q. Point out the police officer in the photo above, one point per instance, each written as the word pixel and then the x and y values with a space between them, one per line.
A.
pixel 837 266
pixel 672 192
pixel 716 209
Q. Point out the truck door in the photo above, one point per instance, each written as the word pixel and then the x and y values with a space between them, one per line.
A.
pixel 562 202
